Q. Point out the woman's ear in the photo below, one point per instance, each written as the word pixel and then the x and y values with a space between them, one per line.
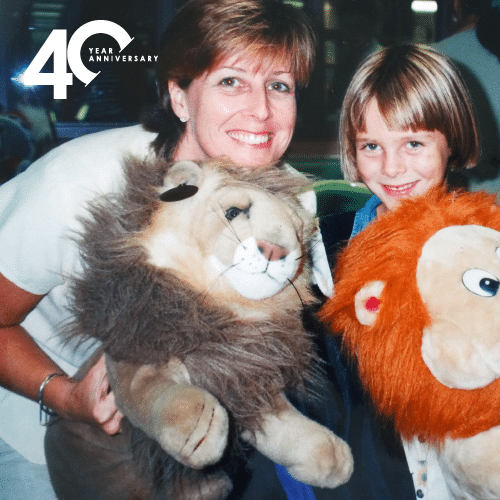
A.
pixel 178 101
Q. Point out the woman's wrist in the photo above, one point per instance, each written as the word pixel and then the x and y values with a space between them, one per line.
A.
pixel 56 394
pixel 45 411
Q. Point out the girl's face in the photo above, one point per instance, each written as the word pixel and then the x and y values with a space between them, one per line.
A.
pixel 244 109
pixel 398 164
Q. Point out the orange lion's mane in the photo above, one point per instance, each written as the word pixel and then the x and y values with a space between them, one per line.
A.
pixel 389 352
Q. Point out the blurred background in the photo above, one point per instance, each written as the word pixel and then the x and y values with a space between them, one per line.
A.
pixel 33 121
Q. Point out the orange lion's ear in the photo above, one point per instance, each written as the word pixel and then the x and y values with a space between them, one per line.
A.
pixel 367 302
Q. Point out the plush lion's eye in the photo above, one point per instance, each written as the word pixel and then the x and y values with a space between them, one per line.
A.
pixel 481 282
pixel 232 213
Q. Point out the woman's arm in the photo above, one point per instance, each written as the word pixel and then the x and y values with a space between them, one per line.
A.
pixel 24 366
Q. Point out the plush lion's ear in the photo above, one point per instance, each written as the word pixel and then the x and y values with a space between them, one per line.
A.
pixel 181 181
pixel 367 302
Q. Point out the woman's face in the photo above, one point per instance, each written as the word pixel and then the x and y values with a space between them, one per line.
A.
pixel 243 109
pixel 398 164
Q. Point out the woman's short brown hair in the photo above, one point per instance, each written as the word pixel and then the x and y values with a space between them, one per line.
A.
pixel 416 88
pixel 206 31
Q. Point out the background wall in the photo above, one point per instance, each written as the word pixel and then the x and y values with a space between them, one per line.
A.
pixel 348 31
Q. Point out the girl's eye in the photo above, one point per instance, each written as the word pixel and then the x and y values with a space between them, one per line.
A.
pixel 279 87
pixel 230 81
pixel 414 144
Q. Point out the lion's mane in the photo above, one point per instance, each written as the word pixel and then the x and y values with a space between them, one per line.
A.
pixel 388 353
pixel 144 314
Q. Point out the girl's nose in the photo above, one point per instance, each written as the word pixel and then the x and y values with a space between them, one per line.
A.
pixel 393 165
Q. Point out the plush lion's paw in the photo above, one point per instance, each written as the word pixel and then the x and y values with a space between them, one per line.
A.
pixel 191 425
pixel 326 460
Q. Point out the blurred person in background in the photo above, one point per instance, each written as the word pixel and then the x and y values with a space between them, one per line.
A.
pixel 475 48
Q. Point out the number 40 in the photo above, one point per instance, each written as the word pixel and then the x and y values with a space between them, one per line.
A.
pixel 56 45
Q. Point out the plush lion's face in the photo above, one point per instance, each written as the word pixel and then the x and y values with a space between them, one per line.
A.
pixel 230 239
pixel 458 278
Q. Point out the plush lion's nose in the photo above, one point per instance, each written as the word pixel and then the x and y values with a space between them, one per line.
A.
pixel 271 251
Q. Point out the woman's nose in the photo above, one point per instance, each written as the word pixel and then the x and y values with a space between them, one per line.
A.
pixel 258 104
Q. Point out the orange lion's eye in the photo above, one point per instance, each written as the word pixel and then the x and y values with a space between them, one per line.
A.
pixel 481 282
pixel 372 304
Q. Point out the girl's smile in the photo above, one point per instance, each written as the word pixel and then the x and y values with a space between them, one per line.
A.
pixel 401 191
pixel 396 164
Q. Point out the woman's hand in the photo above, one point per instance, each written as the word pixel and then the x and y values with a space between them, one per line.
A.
pixel 24 366
pixel 90 399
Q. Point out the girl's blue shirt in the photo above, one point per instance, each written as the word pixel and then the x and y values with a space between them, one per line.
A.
pixel 365 215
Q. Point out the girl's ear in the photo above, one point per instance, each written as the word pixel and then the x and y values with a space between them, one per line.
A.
pixel 178 101
pixel 367 302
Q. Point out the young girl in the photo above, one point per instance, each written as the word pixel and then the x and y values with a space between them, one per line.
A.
pixel 406 123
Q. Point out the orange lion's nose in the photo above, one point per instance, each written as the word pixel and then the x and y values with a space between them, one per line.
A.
pixel 271 251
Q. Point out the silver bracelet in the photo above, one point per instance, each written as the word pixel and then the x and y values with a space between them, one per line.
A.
pixel 45 411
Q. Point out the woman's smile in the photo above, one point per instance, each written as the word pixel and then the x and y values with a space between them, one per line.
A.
pixel 243 109
pixel 252 139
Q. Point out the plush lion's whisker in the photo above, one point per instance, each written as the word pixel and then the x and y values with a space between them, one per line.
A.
pixel 315 243
pixel 227 223
pixel 212 283
pixel 237 240
pixel 300 257
pixel 229 238
pixel 297 292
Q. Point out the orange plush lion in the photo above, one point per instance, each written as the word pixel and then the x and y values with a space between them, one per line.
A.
pixel 417 303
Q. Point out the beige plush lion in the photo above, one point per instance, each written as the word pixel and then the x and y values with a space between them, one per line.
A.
pixel 194 280
pixel 417 303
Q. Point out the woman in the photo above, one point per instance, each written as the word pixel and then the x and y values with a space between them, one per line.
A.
pixel 228 72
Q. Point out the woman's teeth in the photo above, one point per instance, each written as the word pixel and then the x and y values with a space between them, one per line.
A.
pixel 250 138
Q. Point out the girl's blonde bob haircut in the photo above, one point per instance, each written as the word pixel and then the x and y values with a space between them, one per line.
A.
pixel 416 88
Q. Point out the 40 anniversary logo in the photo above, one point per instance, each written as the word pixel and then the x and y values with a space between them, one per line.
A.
pixel 70 53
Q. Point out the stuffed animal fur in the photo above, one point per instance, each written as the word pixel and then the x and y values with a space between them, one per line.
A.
pixel 194 280
pixel 417 304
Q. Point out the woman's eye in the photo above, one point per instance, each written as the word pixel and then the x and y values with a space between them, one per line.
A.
pixel 414 144
pixel 230 82
pixel 370 146
pixel 232 213
pixel 279 87
pixel 481 282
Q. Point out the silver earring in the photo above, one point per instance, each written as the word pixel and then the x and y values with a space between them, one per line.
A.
pixel 183 119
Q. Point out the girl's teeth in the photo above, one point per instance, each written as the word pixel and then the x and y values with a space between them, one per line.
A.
pixel 399 188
